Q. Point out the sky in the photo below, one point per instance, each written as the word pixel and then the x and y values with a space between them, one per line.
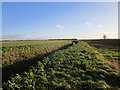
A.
pixel 55 20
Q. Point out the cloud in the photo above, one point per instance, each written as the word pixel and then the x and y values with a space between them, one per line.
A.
pixel 37 32
pixel 13 36
pixel 89 24
pixel 99 26
pixel 58 30
pixel 59 26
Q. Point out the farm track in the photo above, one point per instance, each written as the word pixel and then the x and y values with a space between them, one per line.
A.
pixel 11 70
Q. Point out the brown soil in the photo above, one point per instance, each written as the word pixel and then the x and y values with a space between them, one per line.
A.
pixel 114 64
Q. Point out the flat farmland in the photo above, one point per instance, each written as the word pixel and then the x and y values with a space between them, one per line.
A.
pixel 109 48
pixel 17 56
pixel 73 65
pixel 13 51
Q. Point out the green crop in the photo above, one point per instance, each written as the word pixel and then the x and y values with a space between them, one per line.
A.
pixel 108 48
pixel 78 67
pixel 16 51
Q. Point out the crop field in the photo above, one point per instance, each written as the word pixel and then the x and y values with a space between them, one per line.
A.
pixel 109 49
pixel 23 50
pixel 76 67
pixel 19 55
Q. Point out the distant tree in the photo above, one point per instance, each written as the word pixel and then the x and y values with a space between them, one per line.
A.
pixel 104 37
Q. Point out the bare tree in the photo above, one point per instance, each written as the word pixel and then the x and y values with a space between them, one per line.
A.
pixel 104 36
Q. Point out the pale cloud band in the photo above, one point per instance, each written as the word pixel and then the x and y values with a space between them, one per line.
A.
pixel 36 32
pixel 89 24
pixel 59 26
pixel 99 26
pixel 12 36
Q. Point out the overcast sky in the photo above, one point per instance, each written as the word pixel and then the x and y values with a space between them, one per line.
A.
pixel 43 20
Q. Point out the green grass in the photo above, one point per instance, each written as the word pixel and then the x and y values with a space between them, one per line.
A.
pixel 108 48
pixel 15 51
pixel 78 67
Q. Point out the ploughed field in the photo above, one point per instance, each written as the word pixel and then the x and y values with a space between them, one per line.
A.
pixel 70 66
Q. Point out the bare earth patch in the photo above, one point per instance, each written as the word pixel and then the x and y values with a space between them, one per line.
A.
pixel 114 64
